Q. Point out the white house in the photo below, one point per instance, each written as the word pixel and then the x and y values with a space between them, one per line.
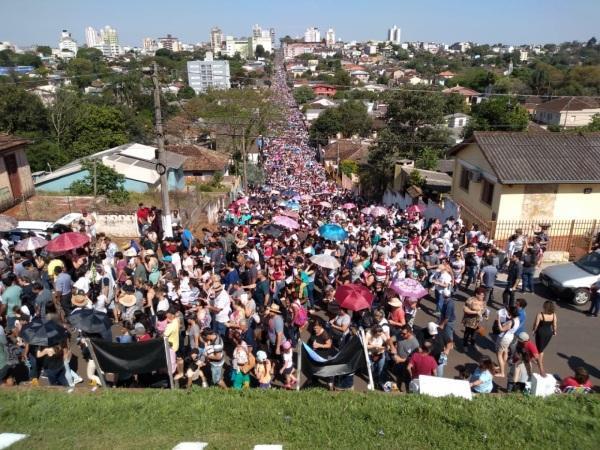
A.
pixel 567 111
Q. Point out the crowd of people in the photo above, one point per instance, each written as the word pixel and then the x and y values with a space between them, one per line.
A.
pixel 234 303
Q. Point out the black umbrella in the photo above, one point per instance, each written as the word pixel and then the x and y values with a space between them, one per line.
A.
pixel 90 321
pixel 272 230
pixel 44 333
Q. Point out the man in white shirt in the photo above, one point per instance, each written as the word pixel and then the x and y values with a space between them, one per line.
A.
pixel 220 307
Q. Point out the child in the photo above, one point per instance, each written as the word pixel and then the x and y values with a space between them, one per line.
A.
pixel 263 370
pixel 288 365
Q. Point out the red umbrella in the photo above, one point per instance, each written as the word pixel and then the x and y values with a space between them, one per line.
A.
pixel 354 297
pixel 66 242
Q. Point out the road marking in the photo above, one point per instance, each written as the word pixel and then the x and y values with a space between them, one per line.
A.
pixel 8 439
pixel 268 447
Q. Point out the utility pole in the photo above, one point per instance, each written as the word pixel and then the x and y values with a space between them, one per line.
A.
pixel 162 166
pixel 95 183
pixel 245 163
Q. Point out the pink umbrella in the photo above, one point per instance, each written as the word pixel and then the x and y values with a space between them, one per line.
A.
pixel 378 211
pixel 366 210
pixel 409 287
pixel 325 204
pixel 67 241
pixel 242 201
pixel 307 197
pixel 286 222
pixel 292 214
pixel 354 297
pixel 348 206
pixel 415 209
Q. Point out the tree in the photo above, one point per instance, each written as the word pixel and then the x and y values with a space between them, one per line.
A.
pixel 96 128
pixel 303 94
pixel 21 111
pixel 61 114
pixel 186 92
pixel 260 51
pixel 44 50
pixel 428 159
pixel 455 103
pixel 45 155
pixel 498 114
pixel 108 182
pixel 349 118
pixel 594 125
pixel 348 167
pixel 342 78
pixel 91 54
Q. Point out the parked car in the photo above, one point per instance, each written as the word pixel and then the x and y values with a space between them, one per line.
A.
pixel 573 279
pixel 41 228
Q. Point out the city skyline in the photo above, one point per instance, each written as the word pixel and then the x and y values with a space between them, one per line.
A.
pixel 515 22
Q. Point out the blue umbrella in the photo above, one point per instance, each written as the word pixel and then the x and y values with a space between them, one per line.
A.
pixel 289 193
pixel 333 232
pixel 295 206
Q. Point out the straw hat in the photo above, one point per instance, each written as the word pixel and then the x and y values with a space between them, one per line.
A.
pixel 274 308
pixel 127 300
pixel 79 300
pixel 217 286
pixel 149 252
pixel 130 252
pixel 395 302
pixel 240 243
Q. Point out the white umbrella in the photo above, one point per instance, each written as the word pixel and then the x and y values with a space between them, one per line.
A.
pixel 327 261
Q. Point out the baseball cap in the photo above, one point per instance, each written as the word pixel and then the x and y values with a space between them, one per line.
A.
pixel 523 336
pixel 261 356
pixel 432 328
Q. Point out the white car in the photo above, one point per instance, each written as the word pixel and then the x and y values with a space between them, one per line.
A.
pixel 40 227
pixel 573 279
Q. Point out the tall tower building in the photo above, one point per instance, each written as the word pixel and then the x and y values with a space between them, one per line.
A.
pixel 256 31
pixel 330 37
pixel 216 38
pixel 67 44
pixel 312 34
pixel 92 38
pixel 272 34
pixel 109 35
pixel 394 35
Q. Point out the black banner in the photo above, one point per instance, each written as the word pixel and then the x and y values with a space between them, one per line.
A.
pixel 350 359
pixel 137 357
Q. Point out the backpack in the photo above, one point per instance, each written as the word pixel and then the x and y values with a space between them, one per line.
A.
pixel 301 316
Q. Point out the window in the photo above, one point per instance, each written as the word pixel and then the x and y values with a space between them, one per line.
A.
pixel 487 192
pixel 464 179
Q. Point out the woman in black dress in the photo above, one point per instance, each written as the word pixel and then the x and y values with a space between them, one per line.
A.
pixel 545 327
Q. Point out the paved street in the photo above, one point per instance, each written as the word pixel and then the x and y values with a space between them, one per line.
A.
pixel 574 345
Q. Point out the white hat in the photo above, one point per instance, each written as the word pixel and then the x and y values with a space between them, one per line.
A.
pixel 261 356
pixel 432 328
pixel 523 336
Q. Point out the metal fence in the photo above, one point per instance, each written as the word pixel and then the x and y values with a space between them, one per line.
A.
pixel 573 236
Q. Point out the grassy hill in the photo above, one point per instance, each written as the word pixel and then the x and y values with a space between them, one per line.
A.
pixel 315 419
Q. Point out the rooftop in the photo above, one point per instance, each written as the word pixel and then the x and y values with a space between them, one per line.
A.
pixel 7 142
pixel 569 104
pixel 200 159
pixel 539 158
pixel 460 90
pixel 346 149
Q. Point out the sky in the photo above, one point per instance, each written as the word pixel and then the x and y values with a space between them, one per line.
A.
pixel 27 22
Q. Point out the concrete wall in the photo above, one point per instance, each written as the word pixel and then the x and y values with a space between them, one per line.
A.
pixel 118 225
pixel 550 201
pixel 63 183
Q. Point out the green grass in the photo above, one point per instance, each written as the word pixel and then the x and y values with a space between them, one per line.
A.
pixel 154 419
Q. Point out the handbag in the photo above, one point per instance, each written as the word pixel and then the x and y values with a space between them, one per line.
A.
pixel 481 330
